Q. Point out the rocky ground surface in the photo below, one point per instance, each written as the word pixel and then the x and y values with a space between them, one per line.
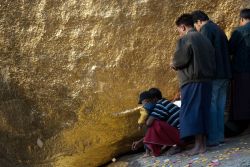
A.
pixel 235 152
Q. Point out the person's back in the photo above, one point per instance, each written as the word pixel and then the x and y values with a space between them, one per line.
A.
pixel 199 50
pixel 167 111
pixel 220 43
pixel 240 49
pixel 220 82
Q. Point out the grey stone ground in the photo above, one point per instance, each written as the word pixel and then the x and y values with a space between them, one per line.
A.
pixel 235 152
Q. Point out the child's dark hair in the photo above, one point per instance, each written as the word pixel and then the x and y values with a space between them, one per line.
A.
pixel 185 19
pixel 199 15
pixel 245 13
pixel 155 93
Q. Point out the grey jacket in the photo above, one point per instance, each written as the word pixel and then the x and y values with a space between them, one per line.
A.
pixel 194 58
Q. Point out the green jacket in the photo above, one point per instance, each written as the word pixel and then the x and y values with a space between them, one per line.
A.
pixel 194 58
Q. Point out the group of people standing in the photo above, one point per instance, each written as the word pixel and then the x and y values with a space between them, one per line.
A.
pixel 207 65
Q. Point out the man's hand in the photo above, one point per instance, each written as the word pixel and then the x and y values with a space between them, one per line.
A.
pixel 140 126
pixel 172 67
pixel 136 144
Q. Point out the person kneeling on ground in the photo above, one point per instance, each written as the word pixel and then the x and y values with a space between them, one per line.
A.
pixel 162 123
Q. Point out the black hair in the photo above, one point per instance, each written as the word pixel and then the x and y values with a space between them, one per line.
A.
pixel 185 19
pixel 155 93
pixel 245 13
pixel 199 15
pixel 144 95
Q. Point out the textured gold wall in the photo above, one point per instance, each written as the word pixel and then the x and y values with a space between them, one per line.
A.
pixel 68 65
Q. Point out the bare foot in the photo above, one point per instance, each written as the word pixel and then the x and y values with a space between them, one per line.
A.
pixel 165 148
pixel 194 151
pixel 174 150
pixel 146 155
pixel 203 149
pixel 197 150
pixel 199 147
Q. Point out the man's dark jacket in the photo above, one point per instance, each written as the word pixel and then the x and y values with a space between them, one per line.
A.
pixel 240 49
pixel 194 58
pixel 220 43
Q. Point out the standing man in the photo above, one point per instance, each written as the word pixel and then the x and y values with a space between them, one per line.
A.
pixel 222 76
pixel 240 51
pixel 195 63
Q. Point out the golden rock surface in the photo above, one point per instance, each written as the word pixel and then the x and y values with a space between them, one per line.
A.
pixel 68 66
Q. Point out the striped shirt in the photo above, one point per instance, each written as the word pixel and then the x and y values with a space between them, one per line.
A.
pixel 167 111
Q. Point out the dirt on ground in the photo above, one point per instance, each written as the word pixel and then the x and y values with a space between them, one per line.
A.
pixel 235 152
